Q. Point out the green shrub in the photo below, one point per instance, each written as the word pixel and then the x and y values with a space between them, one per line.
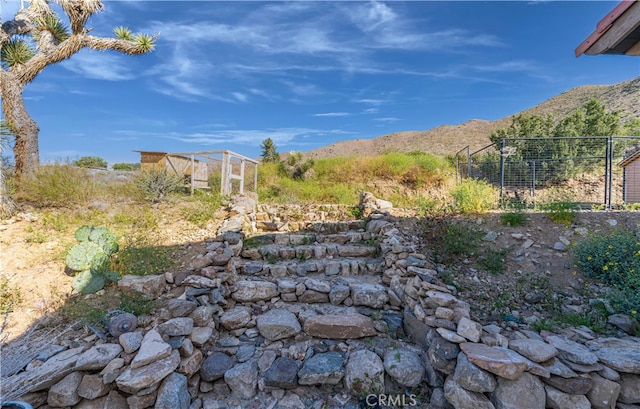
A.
pixel 474 196
pixel 158 183
pixel 614 259
pixel 493 261
pixel 126 166
pixel 460 240
pixel 60 186
pixel 91 162
pixel 513 219
pixel 561 212
pixel 10 296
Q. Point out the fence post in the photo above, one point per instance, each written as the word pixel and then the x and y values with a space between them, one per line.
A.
pixel 468 162
pixel 502 146
pixel 610 176
pixel 457 168
pixel 533 178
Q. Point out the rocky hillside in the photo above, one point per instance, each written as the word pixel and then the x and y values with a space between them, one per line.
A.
pixel 446 139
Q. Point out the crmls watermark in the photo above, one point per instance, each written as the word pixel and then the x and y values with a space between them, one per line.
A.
pixel 389 401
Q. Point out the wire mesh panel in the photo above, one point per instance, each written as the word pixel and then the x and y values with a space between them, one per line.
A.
pixel 589 170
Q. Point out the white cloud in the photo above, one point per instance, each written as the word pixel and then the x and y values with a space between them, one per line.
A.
pixel 100 66
pixel 387 119
pixel 240 96
pixel 332 114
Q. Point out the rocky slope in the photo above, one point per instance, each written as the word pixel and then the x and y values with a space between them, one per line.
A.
pixel 318 312
pixel 447 139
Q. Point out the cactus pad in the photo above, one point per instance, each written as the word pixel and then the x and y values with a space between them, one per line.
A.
pixel 88 282
pixel 82 234
pixel 113 276
pixel 80 257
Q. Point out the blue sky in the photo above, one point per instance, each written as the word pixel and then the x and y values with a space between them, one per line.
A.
pixel 227 75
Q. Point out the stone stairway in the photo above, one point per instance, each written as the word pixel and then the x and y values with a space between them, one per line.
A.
pixel 322 311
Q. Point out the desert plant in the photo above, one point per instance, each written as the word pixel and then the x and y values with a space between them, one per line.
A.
pixel 90 259
pixel 59 186
pixel 126 166
pixel 561 212
pixel 614 259
pixel 295 167
pixel 158 183
pixel 91 162
pixel 474 196
pixel 513 219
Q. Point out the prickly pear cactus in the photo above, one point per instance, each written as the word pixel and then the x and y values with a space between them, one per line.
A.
pixel 91 257
pixel 88 282
pixel 80 257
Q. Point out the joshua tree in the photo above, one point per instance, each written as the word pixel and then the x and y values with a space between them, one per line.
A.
pixel 36 38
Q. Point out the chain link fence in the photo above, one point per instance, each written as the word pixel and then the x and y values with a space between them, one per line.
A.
pixel 591 171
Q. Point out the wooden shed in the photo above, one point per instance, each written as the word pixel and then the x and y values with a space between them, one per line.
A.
pixel 182 165
pixel 631 178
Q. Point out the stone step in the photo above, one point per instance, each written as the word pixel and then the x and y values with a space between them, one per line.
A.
pixel 341 291
pixel 306 238
pixel 323 267
pixel 336 226
pixel 274 252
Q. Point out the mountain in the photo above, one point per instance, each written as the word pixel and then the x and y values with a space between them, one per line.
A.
pixel 447 139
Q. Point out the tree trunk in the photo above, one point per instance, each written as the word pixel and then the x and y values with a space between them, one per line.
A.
pixel 21 125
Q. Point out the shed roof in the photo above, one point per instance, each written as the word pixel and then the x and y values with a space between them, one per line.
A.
pixel 626 161
pixel 617 33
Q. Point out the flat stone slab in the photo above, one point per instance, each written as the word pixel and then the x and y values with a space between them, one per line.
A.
pixel 278 324
pixel 535 350
pixel 620 354
pixel 338 326
pixel 321 369
pixel 572 351
pixel 494 360
pixel 134 380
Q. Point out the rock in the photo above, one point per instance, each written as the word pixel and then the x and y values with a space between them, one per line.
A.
pixel 278 324
pixel 575 386
pixel 555 367
pixel 214 367
pixel 291 401
pixel 64 393
pixel 251 291
pixel 320 369
pixel 113 400
pixel 370 295
pixel 535 350
pixel 462 398
pixel 494 360
pixel 604 393
pixel 97 357
pixel 92 387
pixel 560 400
pixel 572 351
pixel 191 364
pixel 196 281
pixel 338 294
pixel 442 299
pixel 176 327
pixel 130 341
pixel 134 380
pixel 221 256
pixel 364 373
pixel 630 388
pixel 141 401
pixel 559 246
pixel 112 370
pixel 202 316
pixel 404 366
pixel 490 236
pixel 200 335
pixel 181 308
pixel 283 373
pixel 245 352
pixel 451 336
pixel 471 377
pixel 237 317
pixel 151 285
pixel 339 326
pixel 242 379
pixel 624 322
pixel 469 329
pixel 317 285
pixel 620 354
pixel 173 393
pixel 153 348
pixel 525 392
pixel 313 297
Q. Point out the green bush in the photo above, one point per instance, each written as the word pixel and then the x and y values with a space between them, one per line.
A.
pixel 561 212
pixel 60 186
pixel 126 166
pixel 474 196
pixel 614 259
pixel 513 219
pixel 91 162
pixel 158 183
